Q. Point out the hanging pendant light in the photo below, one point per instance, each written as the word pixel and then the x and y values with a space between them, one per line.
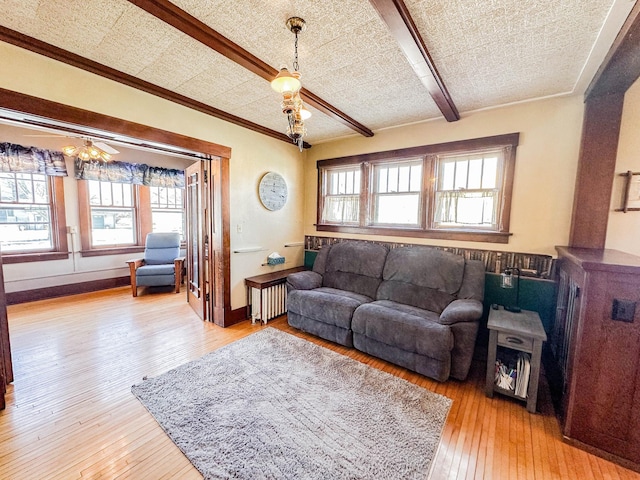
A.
pixel 288 84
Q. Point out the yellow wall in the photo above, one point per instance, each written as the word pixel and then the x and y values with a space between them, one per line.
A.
pixel 546 164
pixel 252 155
pixel 623 229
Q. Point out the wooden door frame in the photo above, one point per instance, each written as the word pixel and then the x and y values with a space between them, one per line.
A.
pixel 20 102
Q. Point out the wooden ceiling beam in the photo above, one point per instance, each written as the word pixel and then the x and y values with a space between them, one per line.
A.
pixel 191 26
pixel 397 17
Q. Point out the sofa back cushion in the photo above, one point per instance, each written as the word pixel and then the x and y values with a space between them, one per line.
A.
pixel 355 266
pixel 424 277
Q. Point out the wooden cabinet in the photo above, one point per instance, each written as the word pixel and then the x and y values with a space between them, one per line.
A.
pixel 596 347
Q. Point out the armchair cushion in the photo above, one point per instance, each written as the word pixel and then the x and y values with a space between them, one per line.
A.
pixel 161 248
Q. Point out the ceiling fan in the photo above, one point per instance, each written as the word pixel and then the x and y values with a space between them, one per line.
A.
pixel 90 150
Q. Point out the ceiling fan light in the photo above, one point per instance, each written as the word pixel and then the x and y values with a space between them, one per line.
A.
pixel 286 82
pixel 69 150
pixel 84 155
pixel 105 156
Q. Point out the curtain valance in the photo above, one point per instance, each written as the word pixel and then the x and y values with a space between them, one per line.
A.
pixel 123 172
pixel 18 159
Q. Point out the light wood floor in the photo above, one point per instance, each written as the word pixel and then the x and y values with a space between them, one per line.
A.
pixel 70 413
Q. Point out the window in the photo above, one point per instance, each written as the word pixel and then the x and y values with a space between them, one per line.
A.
pixel 467 194
pixel 31 221
pixel 342 195
pixel 167 210
pixel 113 214
pixel 458 191
pixel 396 193
pixel 116 217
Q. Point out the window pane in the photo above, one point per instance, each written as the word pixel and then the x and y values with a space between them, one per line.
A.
pixel 349 189
pixel 465 209
pixel 168 221
pixel 382 180
pixel 41 192
pixel 416 178
pixel 475 174
pixel 112 227
pixel 461 175
pixel 25 191
pixel 393 180
pixel 25 213
pixel 341 209
pixel 448 172
pixel 105 194
pixel 403 178
pixel 167 210
pixel 397 209
pixel 7 189
pixel 490 174
pixel 94 192
pixel 117 195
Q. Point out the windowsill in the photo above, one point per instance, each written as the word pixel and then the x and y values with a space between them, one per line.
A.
pixel 466 235
pixel 98 252
pixel 8 258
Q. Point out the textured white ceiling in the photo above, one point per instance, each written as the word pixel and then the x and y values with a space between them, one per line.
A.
pixel 488 52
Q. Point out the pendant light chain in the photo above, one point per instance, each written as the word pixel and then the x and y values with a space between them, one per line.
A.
pixel 296 67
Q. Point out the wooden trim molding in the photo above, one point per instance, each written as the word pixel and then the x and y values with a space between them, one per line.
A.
pixel 621 67
pixel 469 236
pixel 437 148
pixel 21 102
pixel 25 296
pixel 397 17
pixel 51 51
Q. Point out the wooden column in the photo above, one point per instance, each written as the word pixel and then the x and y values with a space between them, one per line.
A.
pixel 596 170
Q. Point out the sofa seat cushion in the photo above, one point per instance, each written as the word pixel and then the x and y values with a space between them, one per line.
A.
pixel 326 305
pixel 402 326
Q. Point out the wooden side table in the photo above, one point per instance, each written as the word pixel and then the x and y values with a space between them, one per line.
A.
pixel 522 332
pixel 262 282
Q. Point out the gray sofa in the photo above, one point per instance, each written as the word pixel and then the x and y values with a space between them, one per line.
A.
pixel 417 307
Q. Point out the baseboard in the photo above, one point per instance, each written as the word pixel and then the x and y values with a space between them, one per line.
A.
pixel 236 316
pixel 25 296
pixel 631 465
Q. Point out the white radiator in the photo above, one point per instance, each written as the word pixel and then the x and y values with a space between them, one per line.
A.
pixel 268 303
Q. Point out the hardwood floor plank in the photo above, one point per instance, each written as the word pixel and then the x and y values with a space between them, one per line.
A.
pixel 71 415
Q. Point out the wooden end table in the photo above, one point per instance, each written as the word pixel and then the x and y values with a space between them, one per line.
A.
pixel 522 332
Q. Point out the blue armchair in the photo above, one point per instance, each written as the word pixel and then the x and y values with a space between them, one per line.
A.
pixel 162 264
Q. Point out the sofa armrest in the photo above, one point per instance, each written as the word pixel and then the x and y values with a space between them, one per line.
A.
pixel 306 280
pixel 461 310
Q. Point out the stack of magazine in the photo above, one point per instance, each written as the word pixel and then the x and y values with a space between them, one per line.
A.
pixel 514 376
pixel 524 372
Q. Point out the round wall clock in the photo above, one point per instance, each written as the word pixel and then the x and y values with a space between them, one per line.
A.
pixel 273 191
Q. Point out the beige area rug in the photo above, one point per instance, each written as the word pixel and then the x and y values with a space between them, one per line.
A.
pixel 275 406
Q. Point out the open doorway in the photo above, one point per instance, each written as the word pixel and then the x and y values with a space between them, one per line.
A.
pixel 38 113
